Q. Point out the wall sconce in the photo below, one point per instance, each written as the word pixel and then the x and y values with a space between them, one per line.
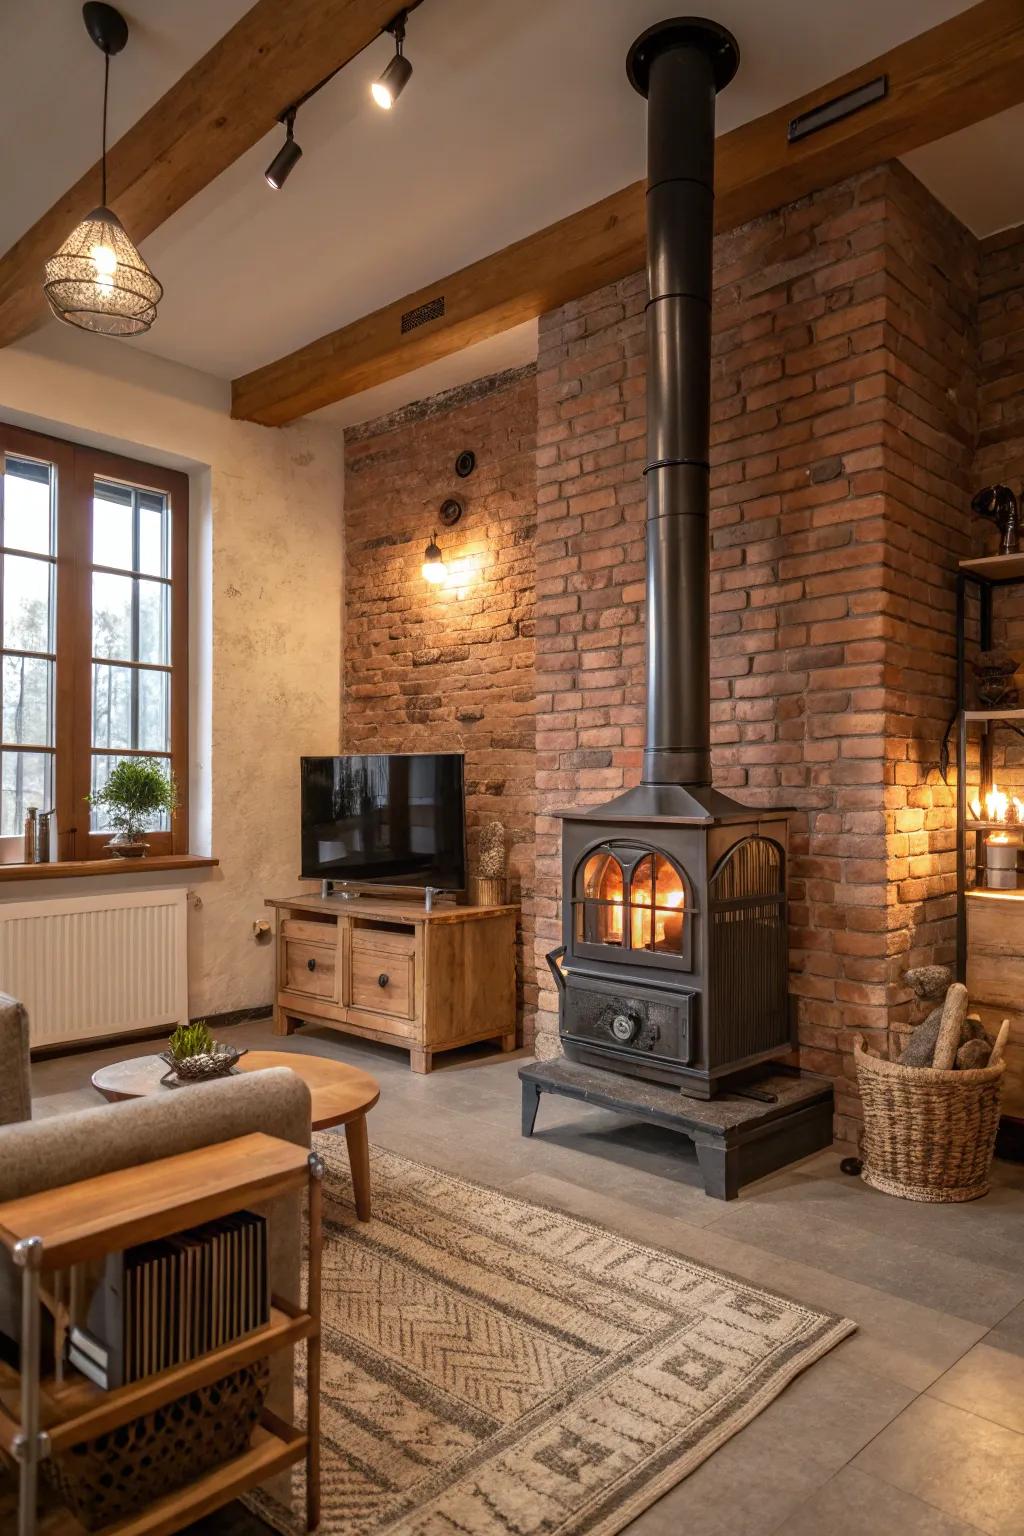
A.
pixel 433 567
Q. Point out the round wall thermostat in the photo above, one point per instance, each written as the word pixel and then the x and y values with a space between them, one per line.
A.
pixel 465 463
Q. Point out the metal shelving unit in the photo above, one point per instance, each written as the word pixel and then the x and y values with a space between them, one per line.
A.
pixel 988 575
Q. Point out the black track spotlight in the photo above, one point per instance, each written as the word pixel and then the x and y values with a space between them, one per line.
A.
pixel 287 157
pixel 395 78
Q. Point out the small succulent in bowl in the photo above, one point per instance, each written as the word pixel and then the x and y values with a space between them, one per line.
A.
pixel 191 1040
pixel 193 1054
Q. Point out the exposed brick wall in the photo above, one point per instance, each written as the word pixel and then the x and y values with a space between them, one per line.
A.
pixel 834 449
pixel 436 669
pixel 931 388
pixel 1000 454
pixel 844 424
pixel 1000 457
pixel 1000 445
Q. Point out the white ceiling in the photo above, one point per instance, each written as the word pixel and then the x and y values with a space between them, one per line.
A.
pixel 517 114
pixel 978 173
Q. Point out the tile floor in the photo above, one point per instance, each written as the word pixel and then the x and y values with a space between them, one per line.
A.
pixel 914 1425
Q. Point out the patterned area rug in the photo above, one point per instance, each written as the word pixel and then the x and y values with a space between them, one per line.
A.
pixel 498 1369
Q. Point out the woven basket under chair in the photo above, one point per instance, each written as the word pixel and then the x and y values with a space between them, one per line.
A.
pixel 928 1134
pixel 113 1476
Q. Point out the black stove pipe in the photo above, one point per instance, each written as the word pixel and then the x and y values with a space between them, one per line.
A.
pixel 679 65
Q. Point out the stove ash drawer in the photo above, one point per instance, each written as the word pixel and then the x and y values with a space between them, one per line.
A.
pixel 643 1024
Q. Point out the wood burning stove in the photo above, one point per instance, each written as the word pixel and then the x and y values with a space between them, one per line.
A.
pixel 674 959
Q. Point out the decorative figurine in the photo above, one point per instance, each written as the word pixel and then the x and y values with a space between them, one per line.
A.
pixel 993 679
pixel 999 505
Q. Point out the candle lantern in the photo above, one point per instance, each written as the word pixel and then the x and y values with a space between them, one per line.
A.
pixel 1001 852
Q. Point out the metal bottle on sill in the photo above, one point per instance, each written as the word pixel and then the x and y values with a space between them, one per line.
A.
pixel 32 835
pixel 47 836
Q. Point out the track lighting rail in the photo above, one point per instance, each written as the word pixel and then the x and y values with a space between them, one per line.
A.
pixel 385 91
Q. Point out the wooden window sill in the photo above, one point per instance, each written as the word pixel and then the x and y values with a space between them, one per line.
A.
pixel 75 868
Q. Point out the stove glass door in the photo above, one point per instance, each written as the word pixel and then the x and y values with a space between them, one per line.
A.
pixel 657 898
pixel 633 901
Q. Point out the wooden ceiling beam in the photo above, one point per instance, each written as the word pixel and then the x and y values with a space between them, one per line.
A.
pixel 219 109
pixel 958 73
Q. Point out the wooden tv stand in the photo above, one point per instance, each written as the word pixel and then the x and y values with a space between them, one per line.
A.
pixel 392 971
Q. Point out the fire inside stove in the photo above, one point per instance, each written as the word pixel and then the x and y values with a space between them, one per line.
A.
pixel 637 903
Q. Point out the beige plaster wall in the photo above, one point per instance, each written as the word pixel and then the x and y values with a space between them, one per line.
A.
pixel 265 644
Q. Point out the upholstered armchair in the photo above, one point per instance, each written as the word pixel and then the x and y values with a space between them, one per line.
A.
pixel 47 1154
pixel 15 1095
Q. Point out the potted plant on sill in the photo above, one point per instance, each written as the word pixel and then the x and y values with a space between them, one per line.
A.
pixel 137 790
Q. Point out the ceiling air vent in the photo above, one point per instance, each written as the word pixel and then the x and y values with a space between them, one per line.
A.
pixel 433 309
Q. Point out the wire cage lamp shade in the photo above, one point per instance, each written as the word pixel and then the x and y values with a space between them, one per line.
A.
pixel 99 281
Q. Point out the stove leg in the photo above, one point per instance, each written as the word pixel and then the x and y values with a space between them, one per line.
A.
pixel 719 1167
pixel 531 1102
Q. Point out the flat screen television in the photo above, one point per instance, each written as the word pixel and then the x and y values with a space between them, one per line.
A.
pixel 398 819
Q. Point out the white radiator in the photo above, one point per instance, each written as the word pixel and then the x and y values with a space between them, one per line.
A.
pixel 96 965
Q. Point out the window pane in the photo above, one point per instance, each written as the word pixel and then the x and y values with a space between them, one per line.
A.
pixel 101 768
pixel 27 604
pixel 154 520
pixel 111 706
pixel 154 711
pixel 112 616
pixel 28 701
pixel 26 778
pixel 112 520
pixel 28 503
pixel 154 622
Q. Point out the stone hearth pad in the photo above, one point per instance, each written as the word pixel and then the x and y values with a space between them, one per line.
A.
pixel 737 1139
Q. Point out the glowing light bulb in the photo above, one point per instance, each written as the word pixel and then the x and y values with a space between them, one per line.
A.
pixel 392 82
pixel 433 567
pixel 105 262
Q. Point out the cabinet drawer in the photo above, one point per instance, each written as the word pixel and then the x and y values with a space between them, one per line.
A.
pixel 391 941
pixel 310 969
pixel 382 981
pixel 312 932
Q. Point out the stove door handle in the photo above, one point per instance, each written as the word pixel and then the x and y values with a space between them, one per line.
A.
pixel 553 958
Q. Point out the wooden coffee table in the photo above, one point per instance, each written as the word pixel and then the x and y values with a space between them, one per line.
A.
pixel 341 1095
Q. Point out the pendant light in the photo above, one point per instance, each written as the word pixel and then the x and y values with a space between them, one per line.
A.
pixel 98 280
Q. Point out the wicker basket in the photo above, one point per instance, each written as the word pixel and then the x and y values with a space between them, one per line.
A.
pixel 124 1471
pixel 928 1135
pixel 488 890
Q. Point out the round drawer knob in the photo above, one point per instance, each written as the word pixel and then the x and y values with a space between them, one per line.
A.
pixel 383 979
pixel 310 965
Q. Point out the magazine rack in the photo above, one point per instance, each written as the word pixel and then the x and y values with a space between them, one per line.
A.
pixel 48 1232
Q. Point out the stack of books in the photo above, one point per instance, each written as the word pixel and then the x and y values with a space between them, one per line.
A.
pixel 165 1303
